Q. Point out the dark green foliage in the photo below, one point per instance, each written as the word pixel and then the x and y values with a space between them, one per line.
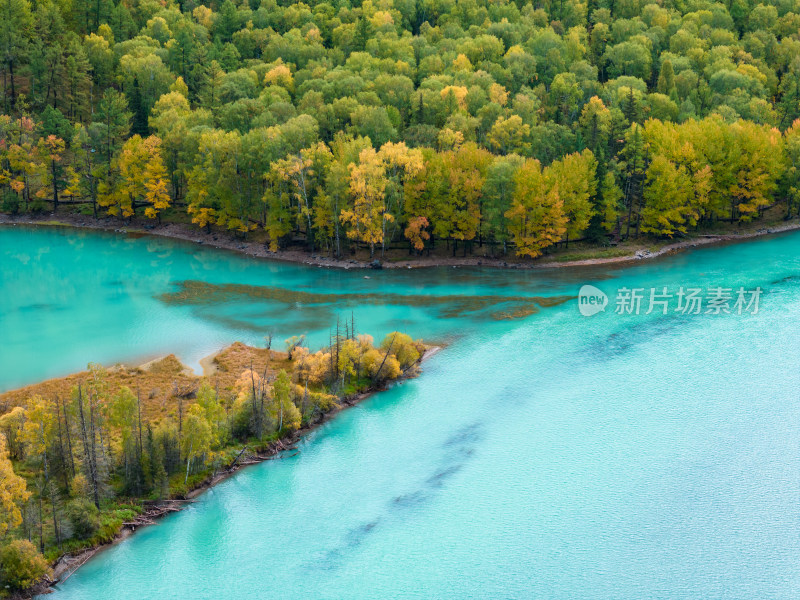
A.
pixel 233 88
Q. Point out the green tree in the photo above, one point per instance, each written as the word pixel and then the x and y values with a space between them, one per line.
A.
pixel 15 25
pixel 113 115
pixel 498 190
pixel 666 79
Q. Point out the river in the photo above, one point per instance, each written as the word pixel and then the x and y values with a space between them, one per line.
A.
pixel 542 454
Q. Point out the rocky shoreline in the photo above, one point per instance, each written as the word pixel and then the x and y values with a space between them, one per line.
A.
pixel 224 241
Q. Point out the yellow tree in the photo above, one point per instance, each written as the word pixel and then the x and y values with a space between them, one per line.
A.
pixel 280 75
pixel 401 165
pixel 402 347
pixel 282 410
pixel 611 202
pixel 304 172
pixel 760 153
pixel 673 197
pixel 156 196
pixel 455 97
pixel 792 172
pixel 416 232
pixel 376 186
pixel 510 135
pixel 11 424
pixel 38 433
pixel 13 492
pixel 367 187
pixel 421 191
pixel 51 152
pixel 214 413
pixel 23 159
pixel 536 219
pixel 595 123
pixel 336 194
pixel 196 436
pixel 574 176
pixel 458 202
pixel 125 184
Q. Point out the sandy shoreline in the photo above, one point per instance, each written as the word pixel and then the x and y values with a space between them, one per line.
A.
pixel 66 565
pixel 224 241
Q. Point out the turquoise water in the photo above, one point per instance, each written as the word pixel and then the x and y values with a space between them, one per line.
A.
pixel 550 456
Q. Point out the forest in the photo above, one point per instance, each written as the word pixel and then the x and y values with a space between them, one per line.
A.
pixel 84 455
pixel 344 125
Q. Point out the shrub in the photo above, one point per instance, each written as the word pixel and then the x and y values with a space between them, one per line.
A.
pixel 10 203
pixel 22 565
pixel 83 515
pixel 37 206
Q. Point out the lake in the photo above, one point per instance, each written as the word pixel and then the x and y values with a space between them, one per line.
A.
pixel 542 454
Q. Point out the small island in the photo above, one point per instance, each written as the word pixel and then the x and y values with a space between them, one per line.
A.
pixel 87 458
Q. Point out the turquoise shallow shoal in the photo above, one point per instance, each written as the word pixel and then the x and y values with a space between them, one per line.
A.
pixel 548 456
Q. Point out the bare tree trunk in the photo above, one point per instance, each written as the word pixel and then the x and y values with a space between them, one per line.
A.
pixel 55 184
pixel 188 463
pixel 94 453
pixel 13 88
pixel 61 445
pixel 88 450
pixel 385 356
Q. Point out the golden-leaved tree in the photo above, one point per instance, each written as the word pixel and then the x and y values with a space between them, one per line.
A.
pixel 156 194
pixel 139 178
pixel 536 219
pixel 13 492
pixel 674 198
pixel 303 172
pixel 376 184
pixel 574 176
pixel 367 217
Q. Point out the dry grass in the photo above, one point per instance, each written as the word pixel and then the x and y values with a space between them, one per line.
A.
pixel 162 383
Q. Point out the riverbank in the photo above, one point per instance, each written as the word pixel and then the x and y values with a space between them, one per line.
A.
pixel 228 367
pixel 628 252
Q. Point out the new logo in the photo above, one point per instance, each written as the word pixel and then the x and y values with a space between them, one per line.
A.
pixel 591 300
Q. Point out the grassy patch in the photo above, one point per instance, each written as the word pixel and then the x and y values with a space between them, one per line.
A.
pixel 591 253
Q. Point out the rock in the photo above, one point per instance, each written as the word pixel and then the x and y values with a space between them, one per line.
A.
pixel 376 264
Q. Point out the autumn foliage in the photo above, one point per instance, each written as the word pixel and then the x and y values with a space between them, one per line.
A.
pixel 75 450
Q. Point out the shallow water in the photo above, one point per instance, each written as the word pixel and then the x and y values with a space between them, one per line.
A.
pixel 548 456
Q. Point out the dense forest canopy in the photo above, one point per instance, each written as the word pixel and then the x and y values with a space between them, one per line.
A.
pixel 344 124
